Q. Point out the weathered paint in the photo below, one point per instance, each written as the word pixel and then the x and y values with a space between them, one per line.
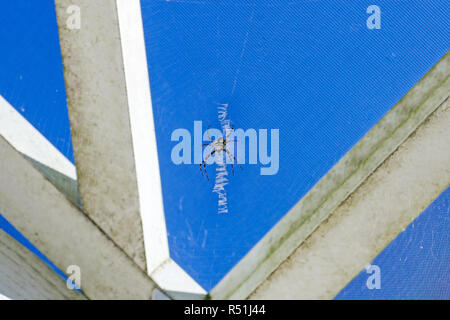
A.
pixel 23 276
pixel 338 184
pixel 100 122
pixel 64 234
pixel 111 117
pixel 26 139
pixel 366 222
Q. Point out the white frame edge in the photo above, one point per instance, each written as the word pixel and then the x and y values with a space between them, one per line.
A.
pixel 127 19
pixel 143 133
pixel 166 272
pixel 28 140
pixel 339 183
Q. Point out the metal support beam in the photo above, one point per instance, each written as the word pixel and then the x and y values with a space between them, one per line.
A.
pixel 23 276
pixel 337 185
pixel 363 225
pixel 44 156
pixel 65 234
pixel 111 116
pixel 108 95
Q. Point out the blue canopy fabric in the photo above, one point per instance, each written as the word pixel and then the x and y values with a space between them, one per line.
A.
pixel 311 69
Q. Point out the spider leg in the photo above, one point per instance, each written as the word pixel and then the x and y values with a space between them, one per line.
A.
pixel 206 173
pixel 209 155
pixel 232 167
pixel 209 137
pixel 229 133
pixel 204 164
pixel 233 157
pixel 227 141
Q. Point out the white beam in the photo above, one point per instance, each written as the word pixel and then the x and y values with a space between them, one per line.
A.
pixel 143 132
pixel 113 133
pixel 2 297
pixel 26 139
pixel 65 234
pixel 363 225
pixel 176 282
pixel 108 94
pixel 339 183
pixel 23 276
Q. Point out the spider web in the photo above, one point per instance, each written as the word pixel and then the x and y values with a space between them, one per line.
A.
pixel 221 169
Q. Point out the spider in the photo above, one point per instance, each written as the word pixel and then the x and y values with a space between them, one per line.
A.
pixel 219 146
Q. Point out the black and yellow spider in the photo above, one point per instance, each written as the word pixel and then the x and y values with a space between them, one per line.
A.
pixel 220 146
